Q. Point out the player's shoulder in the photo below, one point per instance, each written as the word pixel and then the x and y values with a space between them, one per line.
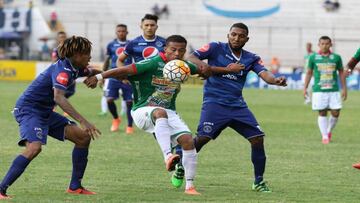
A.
pixel 248 54
pixel 62 65
pixel 335 55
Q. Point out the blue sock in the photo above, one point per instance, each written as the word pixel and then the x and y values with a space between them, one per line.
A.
pixel 178 150
pixel 16 169
pixel 79 161
pixel 128 113
pixel 258 158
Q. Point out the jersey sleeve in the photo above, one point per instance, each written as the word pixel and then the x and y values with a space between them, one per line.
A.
pixel 310 63
pixel 84 72
pixel 61 79
pixel 193 67
pixel 339 64
pixel 128 51
pixel 258 66
pixel 205 51
pixel 144 66
pixel 357 55
pixel 108 49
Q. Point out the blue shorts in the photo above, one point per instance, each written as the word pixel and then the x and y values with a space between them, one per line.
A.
pixel 215 118
pixel 113 88
pixel 35 126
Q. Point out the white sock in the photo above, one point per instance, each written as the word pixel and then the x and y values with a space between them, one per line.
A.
pixel 332 123
pixel 104 107
pixel 123 107
pixel 323 126
pixel 162 134
pixel 189 162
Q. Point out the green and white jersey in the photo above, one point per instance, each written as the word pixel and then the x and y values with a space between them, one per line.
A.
pixel 150 87
pixel 325 71
pixel 357 55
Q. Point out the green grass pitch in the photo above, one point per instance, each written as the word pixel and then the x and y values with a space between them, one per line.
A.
pixel 125 168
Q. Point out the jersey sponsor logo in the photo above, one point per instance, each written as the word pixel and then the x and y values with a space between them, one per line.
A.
pixel 204 48
pixel 230 76
pixel 149 52
pixel 62 78
pixel 119 51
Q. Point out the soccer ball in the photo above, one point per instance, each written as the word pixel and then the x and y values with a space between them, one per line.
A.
pixel 176 71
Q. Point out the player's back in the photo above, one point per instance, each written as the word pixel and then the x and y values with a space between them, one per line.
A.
pixel 140 48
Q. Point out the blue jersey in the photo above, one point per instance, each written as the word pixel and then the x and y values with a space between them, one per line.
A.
pixel 226 89
pixel 140 48
pixel 40 94
pixel 114 49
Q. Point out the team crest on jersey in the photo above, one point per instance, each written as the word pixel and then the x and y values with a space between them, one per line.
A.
pixel 204 48
pixel 149 52
pixel 62 78
pixel 39 132
pixel 119 51
pixel 159 44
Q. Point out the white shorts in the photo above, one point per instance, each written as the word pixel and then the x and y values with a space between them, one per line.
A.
pixel 326 100
pixel 143 120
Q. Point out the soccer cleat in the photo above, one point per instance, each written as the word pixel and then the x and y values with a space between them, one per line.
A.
pixel 172 161
pixel 177 177
pixel 115 125
pixel 261 187
pixel 192 191
pixel 357 165
pixel 325 141
pixel 80 191
pixel 129 130
pixel 329 136
pixel 4 196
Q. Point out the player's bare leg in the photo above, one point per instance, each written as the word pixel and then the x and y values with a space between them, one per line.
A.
pixel 79 158
pixel 334 116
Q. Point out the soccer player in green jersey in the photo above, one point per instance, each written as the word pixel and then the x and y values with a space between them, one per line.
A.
pixel 326 67
pixel 154 105
pixel 349 69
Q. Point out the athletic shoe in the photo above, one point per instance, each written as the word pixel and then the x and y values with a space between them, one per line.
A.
pixel 192 191
pixel 115 125
pixel 325 141
pixel 329 136
pixel 4 196
pixel 172 161
pixel 177 177
pixel 80 191
pixel 357 165
pixel 129 130
pixel 261 187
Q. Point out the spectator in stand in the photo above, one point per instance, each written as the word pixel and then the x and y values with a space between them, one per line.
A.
pixel 45 51
pixel 156 10
pixel 2 54
pixel 331 5
pixel 165 11
pixel 53 20
pixel 14 51
pixel 275 65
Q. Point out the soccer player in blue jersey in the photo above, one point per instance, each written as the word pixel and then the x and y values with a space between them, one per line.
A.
pixel 34 113
pixel 223 104
pixel 114 49
pixel 146 45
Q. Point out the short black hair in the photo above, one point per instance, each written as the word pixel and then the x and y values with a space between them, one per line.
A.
pixel 241 26
pixel 121 25
pixel 176 38
pixel 325 38
pixel 150 17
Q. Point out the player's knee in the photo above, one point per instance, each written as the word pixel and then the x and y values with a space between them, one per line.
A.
pixel 335 114
pixel 83 141
pixel 159 113
pixel 200 141
pixel 109 100
pixel 186 142
pixel 32 150
pixel 257 141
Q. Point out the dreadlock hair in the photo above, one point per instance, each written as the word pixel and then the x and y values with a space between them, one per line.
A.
pixel 73 45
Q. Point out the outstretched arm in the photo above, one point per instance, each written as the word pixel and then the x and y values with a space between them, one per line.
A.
pixel 269 78
pixel 350 66
pixel 121 59
pixel 343 84
pixel 60 99
pixel 113 73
